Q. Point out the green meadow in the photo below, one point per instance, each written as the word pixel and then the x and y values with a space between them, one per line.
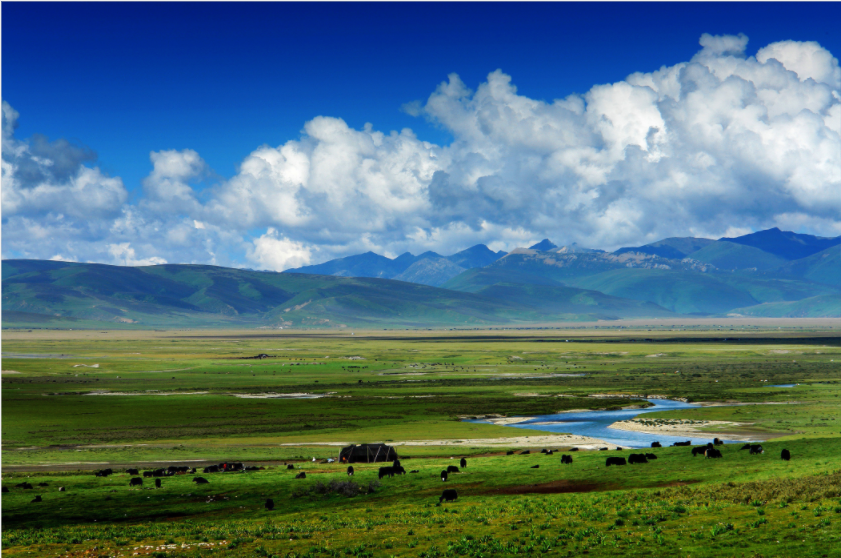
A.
pixel 78 401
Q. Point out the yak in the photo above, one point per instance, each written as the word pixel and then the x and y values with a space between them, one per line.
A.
pixel 36 499
pixel 452 469
pixel 132 472
pixel 350 470
pixel 615 461
pixel 463 463
pixel 386 472
pixel 289 466
pixel 699 450
pixel 712 453
pixel 448 495
pixel 303 475
pixel 200 480
pixel 136 481
pixel 444 475
pixel 650 456
pixel 656 445
pixel 637 458
pixel 686 443
pixel 718 442
pixel 157 483
pixel 535 466
pixel 756 449
pixel 270 504
pixel 785 455
pixel 566 459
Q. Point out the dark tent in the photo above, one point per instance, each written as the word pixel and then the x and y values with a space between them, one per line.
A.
pixel 367 453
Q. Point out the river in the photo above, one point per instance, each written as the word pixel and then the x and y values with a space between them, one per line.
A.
pixel 595 424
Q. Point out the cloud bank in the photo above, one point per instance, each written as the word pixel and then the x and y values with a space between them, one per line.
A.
pixel 719 144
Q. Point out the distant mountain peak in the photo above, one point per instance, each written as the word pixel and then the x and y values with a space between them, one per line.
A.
pixel 544 245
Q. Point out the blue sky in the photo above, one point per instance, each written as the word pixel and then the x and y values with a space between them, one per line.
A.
pixel 223 79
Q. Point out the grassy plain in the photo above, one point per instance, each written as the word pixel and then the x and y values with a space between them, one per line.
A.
pixel 192 397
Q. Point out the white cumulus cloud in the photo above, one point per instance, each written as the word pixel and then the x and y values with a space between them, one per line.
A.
pixel 275 252
pixel 721 142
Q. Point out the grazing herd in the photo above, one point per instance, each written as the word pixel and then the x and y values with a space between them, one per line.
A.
pixel 709 451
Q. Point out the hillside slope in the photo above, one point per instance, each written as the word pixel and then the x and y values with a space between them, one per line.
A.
pixel 62 294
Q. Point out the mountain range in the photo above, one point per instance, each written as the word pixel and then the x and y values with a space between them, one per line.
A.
pixel 770 273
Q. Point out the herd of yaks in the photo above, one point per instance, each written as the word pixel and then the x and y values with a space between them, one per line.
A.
pixel 709 451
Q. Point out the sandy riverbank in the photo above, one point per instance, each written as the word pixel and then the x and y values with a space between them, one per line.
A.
pixel 699 429
pixel 541 441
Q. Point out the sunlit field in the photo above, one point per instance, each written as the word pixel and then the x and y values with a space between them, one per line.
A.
pixel 75 402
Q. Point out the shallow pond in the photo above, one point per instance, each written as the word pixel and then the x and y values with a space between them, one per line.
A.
pixel 596 425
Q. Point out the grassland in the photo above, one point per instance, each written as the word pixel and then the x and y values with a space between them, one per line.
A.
pixel 75 401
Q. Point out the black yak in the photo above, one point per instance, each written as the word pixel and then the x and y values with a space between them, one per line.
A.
pixel 136 481
pixel 444 475
pixel 448 495
pixel 785 455
pixel 637 458
pixel 350 470
pixel 200 480
pixel 463 463
pixel 452 469
pixel 615 461
pixel 386 472
pixel 566 459
pixel 301 475
pixel 270 504
pixel 656 445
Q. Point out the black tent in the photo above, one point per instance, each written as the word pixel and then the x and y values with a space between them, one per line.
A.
pixel 367 453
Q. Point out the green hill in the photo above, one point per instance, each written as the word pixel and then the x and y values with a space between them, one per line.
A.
pixel 686 287
pixel 823 267
pixel 679 291
pixel 730 256
pixel 474 280
pixel 62 294
pixel 41 293
pixel 572 301
pixel 823 306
